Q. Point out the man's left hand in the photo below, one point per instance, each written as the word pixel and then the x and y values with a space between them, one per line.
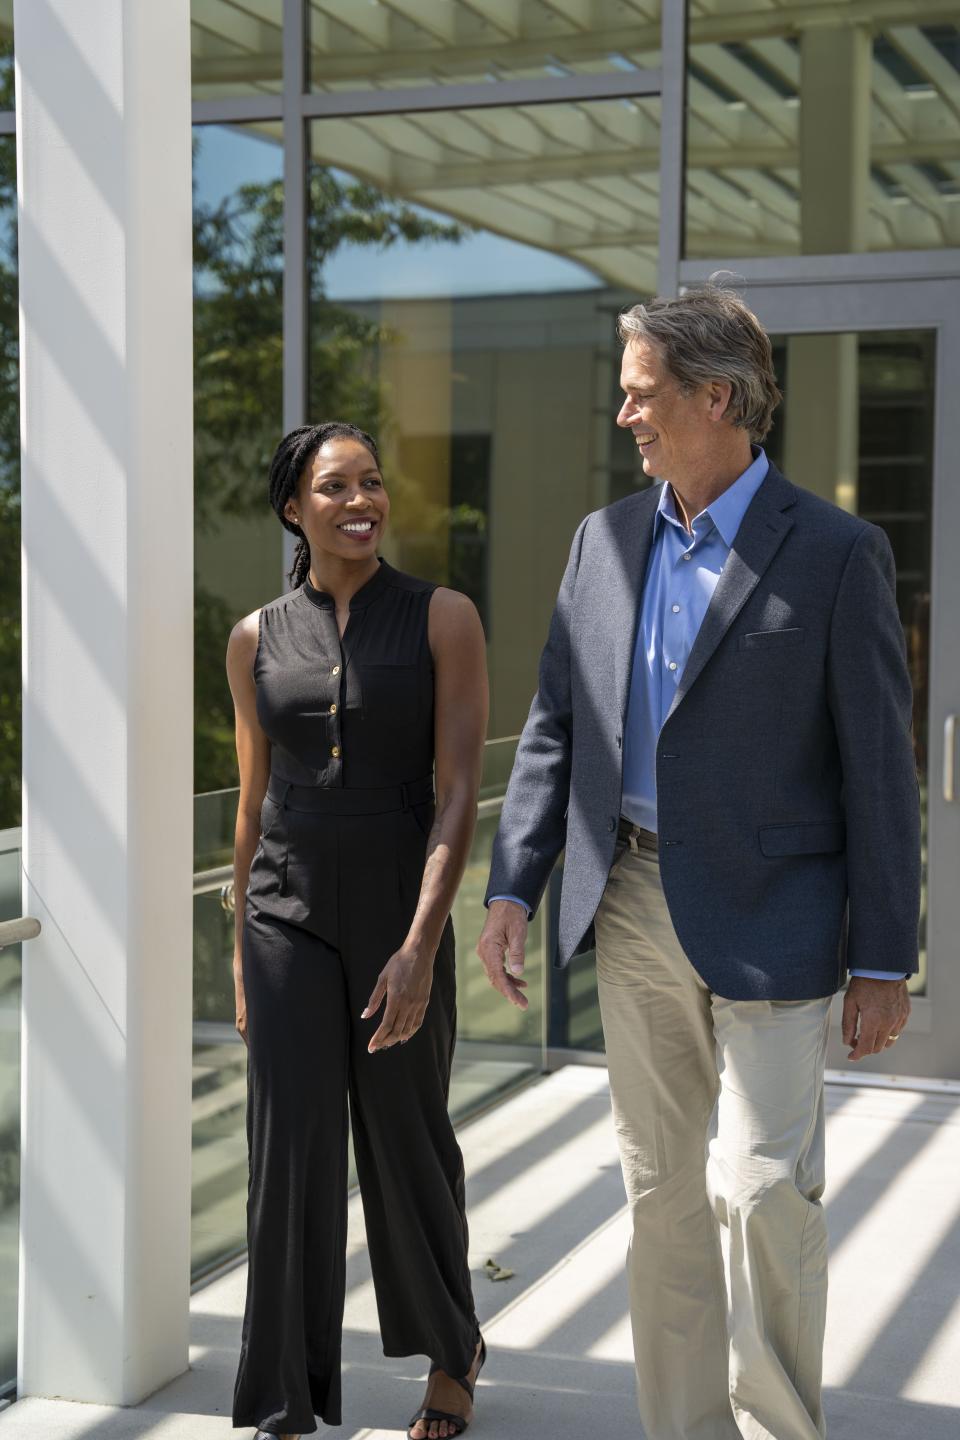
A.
pixel 874 1014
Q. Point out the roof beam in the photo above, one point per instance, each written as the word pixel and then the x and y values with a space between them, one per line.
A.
pixel 933 66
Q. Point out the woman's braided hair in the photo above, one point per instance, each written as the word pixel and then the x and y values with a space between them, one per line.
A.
pixel 292 454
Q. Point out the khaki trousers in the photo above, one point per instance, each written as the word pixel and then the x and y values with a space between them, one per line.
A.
pixel 718 1106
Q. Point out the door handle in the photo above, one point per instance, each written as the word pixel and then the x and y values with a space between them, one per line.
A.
pixel 950 758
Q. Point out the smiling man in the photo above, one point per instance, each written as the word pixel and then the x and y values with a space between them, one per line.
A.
pixel 721 742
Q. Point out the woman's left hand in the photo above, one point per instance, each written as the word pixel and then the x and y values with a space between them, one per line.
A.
pixel 405 983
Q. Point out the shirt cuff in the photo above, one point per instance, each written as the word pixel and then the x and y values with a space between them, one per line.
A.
pixel 878 974
pixel 516 900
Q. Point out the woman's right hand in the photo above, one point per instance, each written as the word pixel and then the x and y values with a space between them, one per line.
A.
pixel 241 1000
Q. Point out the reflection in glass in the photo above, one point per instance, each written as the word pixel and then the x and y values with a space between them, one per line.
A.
pixel 238 410
pixel 429 42
pixel 871 452
pixel 465 273
pixel 238 366
pixel 498 1046
pixel 10 986
pixel 9 488
pixel 820 139
pixel 236 48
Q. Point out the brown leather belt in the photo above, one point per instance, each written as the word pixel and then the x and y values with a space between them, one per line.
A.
pixel 635 836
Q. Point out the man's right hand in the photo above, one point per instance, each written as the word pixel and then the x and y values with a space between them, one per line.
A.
pixel 501 948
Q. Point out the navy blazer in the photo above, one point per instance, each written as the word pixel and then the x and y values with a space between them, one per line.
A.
pixel 787 799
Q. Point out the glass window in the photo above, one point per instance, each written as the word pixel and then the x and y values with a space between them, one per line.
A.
pixel 238 414
pixel 9 493
pixel 466 269
pixel 446 42
pixel 236 47
pixel 829 139
pixel 10 992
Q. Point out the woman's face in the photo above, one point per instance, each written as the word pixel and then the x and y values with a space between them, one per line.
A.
pixel 341 505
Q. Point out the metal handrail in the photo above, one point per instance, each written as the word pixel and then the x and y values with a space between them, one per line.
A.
pixel 14 932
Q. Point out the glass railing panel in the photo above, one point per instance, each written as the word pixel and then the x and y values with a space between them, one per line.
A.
pixel 10 978
pixel 498 1045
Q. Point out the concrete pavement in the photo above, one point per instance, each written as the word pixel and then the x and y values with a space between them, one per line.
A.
pixel 546 1200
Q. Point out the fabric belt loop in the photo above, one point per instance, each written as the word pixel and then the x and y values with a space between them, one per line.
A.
pixel 404 797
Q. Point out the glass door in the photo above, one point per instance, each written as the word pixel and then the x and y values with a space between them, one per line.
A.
pixel 868 369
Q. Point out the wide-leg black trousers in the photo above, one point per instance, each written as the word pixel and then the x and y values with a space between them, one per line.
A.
pixel 330 899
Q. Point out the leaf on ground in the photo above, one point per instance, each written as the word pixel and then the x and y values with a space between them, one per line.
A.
pixel 495 1271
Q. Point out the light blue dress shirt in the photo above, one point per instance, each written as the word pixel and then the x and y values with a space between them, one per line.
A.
pixel 682 574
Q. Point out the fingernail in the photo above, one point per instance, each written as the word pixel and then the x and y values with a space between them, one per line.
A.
pixel 364 1013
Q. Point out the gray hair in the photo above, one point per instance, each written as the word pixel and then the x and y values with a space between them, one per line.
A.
pixel 709 334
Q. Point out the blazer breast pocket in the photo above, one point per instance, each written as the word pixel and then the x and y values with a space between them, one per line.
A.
pixel 772 639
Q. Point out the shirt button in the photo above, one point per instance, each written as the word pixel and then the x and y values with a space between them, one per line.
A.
pixel 687 555
pixel 335 670
pixel 676 609
pixel 335 752
pixel 673 664
pixel 333 709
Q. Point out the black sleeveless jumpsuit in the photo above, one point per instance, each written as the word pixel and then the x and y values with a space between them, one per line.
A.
pixel 333 888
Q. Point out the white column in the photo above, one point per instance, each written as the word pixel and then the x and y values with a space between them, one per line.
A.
pixel 103 149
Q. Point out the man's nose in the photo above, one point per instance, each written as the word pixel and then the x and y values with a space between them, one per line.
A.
pixel 627 414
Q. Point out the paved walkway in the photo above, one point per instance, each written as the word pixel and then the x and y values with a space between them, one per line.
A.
pixel 546 1201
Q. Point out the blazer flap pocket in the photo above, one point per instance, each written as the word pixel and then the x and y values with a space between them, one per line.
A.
pixel 808 837
pixel 770 639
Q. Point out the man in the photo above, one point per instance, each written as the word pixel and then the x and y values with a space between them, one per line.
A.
pixel 721 742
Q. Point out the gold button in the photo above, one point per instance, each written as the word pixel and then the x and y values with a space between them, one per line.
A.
pixel 335 752
pixel 333 709
pixel 335 670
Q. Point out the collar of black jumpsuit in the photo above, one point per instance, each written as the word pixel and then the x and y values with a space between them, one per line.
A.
pixel 363 597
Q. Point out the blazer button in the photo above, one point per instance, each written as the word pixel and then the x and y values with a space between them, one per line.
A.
pixel 333 709
pixel 335 752
pixel 611 824
pixel 335 670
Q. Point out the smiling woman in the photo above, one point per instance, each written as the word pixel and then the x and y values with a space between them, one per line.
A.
pixel 357 695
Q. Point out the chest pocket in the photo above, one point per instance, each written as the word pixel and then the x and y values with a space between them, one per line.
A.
pixel 772 641
pixel 390 694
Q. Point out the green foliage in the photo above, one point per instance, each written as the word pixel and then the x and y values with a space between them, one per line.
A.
pixel 238 400
pixel 238 370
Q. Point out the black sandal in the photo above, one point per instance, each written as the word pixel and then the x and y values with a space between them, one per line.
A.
pixel 456 1424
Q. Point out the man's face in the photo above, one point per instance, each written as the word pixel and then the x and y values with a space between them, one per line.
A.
pixel 672 429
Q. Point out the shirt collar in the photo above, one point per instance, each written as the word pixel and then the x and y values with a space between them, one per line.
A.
pixel 728 510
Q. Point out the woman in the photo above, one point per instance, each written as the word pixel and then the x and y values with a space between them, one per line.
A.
pixel 348 692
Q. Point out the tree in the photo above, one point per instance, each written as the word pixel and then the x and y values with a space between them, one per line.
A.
pixel 238 366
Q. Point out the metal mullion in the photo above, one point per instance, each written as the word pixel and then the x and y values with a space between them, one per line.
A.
pixel 848 269
pixel 481 96
pixel 295 297
pixel 294 216
pixel 8 122
pixel 236 110
pixel 673 123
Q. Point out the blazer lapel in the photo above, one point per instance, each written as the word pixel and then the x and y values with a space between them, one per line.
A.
pixel 760 536
pixel 629 550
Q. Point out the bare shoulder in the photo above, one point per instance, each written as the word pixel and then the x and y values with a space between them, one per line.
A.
pixel 453 618
pixel 242 645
